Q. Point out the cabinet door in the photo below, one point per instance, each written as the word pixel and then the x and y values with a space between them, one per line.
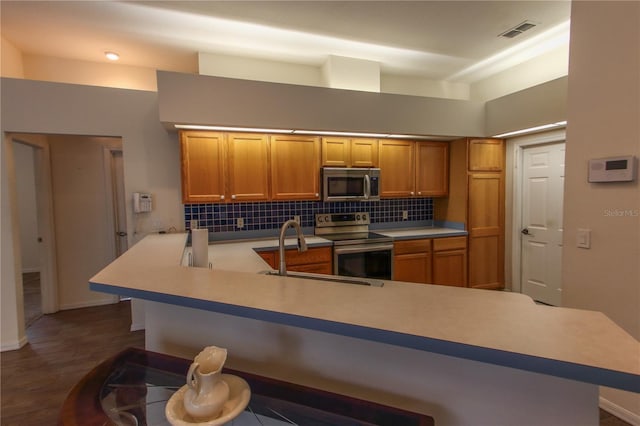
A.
pixel 413 268
pixel 486 230
pixel 202 167
pixel 486 155
pixel 295 167
pixel 269 257
pixel 336 152
pixel 364 152
pixel 248 167
pixel 314 268
pixel 450 268
pixel 397 168
pixel 412 261
pixel 432 169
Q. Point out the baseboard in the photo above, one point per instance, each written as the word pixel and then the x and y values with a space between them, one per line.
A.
pixel 12 346
pixel 619 412
pixel 137 326
pixel 68 306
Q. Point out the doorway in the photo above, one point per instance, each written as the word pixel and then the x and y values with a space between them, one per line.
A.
pixel 79 206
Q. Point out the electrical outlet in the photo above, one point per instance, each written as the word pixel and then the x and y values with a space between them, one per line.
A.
pixel 297 218
pixel 239 222
pixel 194 223
pixel 405 215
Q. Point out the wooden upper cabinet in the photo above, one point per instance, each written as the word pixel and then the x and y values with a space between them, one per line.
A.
pixel 397 164
pixel 432 169
pixel 203 167
pixel 295 167
pixel 364 152
pixel 486 155
pixel 345 152
pixel 248 166
pixel 336 152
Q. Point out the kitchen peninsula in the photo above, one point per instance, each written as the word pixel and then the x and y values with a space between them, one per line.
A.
pixel 464 356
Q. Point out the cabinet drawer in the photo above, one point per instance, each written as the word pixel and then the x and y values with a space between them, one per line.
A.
pixel 450 243
pixel 412 246
pixel 313 255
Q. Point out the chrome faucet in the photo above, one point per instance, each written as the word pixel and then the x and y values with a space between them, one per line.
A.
pixel 302 244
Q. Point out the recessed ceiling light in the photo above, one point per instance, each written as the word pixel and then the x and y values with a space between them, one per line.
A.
pixel 112 56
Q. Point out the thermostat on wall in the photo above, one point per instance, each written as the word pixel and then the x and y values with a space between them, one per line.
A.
pixel 613 169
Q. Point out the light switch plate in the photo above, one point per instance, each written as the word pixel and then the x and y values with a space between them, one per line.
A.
pixel 240 222
pixel 583 238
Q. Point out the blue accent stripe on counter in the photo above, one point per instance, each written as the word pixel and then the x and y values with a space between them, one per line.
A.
pixel 572 371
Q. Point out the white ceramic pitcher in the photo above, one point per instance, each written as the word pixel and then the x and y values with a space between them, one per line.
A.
pixel 207 392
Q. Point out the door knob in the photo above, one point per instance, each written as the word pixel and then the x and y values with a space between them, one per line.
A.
pixel 525 231
pixel 121 234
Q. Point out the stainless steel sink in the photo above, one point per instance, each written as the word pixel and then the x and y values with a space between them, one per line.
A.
pixel 330 278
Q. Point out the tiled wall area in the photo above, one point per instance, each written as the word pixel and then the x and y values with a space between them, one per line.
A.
pixel 222 217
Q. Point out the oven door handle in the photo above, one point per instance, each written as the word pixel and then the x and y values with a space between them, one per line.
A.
pixel 363 248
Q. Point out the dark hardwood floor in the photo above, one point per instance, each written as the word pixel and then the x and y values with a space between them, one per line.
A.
pixel 32 297
pixel 62 348
pixel 66 345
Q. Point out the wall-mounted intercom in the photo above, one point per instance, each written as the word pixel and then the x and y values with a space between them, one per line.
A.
pixel 142 202
pixel 612 169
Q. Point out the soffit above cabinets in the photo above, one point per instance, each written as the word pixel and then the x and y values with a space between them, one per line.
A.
pixel 205 100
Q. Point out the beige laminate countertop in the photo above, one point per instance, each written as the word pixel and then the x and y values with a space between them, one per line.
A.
pixel 497 327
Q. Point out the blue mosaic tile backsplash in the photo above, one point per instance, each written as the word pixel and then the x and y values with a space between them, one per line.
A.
pixel 221 217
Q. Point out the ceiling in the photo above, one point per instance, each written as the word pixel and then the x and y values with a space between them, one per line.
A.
pixel 440 40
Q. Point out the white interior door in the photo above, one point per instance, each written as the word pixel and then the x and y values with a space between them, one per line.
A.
pixel 542 195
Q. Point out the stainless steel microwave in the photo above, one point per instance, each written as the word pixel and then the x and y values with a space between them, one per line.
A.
pixel 350 184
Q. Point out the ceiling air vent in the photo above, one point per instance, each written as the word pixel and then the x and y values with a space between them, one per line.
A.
pixel 518 29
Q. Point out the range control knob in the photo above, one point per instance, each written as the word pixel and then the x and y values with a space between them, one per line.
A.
pixel 364 216
pixel 357 217
pixel 320 219
pixel 326 219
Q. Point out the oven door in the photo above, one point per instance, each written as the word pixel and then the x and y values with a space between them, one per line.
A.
pixel 364 261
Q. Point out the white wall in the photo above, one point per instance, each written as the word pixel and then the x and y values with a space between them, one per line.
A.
pixel 151 161
pixel 549 66
pixel 11 64
pixel 46 68
pixel 12 313
pixel 27 208
pixel 603 114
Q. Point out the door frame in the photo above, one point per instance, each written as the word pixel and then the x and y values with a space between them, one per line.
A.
pixel 45 217
pixel 515 150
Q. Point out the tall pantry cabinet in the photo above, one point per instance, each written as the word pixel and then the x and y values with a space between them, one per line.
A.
pixel 476 198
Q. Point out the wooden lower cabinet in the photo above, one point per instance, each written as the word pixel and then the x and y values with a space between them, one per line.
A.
pixel 441 261
pixel 412 261
pixel 487 262
pixel 317 260
pixel 450 261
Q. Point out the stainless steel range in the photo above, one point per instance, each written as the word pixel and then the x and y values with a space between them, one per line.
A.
pixel 357 252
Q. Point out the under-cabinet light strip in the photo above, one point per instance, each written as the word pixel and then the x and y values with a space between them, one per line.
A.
pixel 231 129
pixel 532 129
pixel 307 132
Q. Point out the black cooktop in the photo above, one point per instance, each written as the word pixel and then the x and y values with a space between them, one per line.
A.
pixel 356 238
